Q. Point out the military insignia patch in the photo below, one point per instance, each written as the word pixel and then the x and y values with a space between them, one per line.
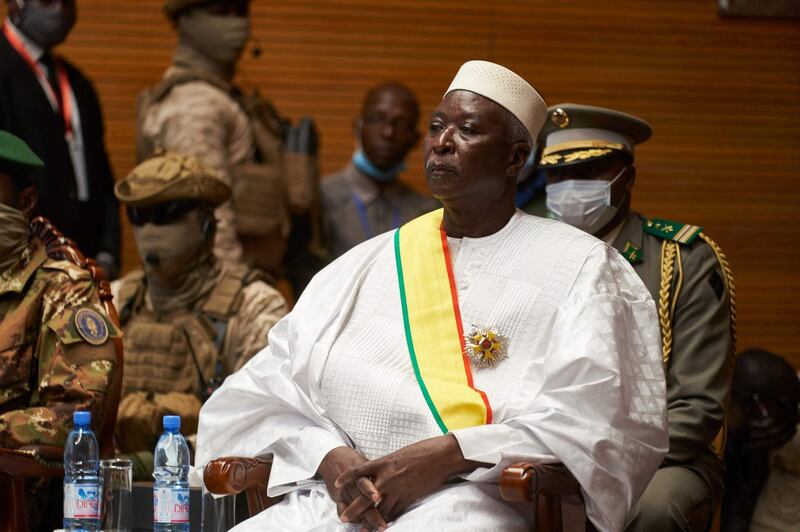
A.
pixel 91 326
pixel 632 252
pixel 485 346
pixel 560 118
pixel 679 232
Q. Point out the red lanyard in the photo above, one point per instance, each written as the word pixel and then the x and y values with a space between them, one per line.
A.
pixel 64 105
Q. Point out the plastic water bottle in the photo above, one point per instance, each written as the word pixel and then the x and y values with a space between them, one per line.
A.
pixel 81 476
pixel 171 474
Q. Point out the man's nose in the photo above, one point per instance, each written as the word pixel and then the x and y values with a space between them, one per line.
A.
pixel 442 143
pixel 388 130
pixel 761 408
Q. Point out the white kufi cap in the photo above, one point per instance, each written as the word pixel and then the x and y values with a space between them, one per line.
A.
pixel 505 88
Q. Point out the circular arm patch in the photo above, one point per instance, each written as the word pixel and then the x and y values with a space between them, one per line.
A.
pixel 91 326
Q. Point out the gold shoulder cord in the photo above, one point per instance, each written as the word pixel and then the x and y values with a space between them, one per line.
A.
pixel 727 274
pixel 668 251
pixel 718 445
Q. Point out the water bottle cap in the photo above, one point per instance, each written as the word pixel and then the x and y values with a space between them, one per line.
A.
pixel 81 417
pixel 172 422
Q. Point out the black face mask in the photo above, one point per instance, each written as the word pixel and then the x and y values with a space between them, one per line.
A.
pixel 47 26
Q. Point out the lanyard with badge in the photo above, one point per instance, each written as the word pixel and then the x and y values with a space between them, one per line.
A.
pixel 64 106
pixel 362 215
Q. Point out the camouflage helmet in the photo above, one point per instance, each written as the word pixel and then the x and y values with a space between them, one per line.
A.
pixel 170 176
pixel 173 8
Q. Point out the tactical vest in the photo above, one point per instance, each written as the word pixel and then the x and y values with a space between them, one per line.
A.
pixel 260 195
pixel 185 351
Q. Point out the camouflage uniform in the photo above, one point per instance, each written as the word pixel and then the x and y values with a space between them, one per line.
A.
pixel 48 367
pixel 177 354
pixel 274 184
pixel 218 334
pixel 200 118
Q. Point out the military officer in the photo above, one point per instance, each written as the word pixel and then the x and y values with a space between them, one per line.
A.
pixel 189 321
pixel 56 353
pixel 588 158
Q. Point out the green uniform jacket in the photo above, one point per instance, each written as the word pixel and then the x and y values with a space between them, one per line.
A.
pixel 56 354
pixel 700 364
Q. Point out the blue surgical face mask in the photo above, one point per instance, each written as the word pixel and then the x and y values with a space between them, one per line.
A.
pixel 367 167
pixel 583 203
pixel 48 25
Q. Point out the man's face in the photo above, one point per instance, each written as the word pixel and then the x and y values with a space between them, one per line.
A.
pixel 598 170
pixel 169 236
pixel 46 22
pixel 8 194
pixel 23 199
pixel 388 128
pixel 467 151
pixel 764 404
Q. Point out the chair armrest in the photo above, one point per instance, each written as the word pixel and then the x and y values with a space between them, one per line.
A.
pixel 523 481
pixel 33 461
pixel 231 475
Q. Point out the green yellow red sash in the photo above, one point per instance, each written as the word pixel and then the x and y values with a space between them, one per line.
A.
pixel 432 320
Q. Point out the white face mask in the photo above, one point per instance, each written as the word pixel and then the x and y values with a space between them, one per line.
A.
pixel 582 203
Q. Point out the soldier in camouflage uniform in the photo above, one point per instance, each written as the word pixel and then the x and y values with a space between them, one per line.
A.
pixel 587 155
pixel 189 321
pixel 56 353
pixel 196 110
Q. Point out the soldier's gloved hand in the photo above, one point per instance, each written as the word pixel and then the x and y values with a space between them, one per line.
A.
pixel 185 405
pixel 138 424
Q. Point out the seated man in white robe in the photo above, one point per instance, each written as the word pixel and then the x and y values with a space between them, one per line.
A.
pixel 424 361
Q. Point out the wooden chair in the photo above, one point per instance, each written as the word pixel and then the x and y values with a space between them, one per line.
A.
pixel 46 460
pixel 543 485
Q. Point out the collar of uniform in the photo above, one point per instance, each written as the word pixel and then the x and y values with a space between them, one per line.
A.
pixel 630 231
pixel 194 71
pixel 612 235
pixel 15 279
pixel 366 188
pixel 34 50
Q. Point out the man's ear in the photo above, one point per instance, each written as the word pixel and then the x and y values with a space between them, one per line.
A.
pixel 631 179
pixel 520 151
pixel 358 123
pixel 208 224
pixel 26 200
pixel 417 138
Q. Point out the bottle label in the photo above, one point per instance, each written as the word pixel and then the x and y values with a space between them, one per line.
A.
pixel 171 505
pixel 82 501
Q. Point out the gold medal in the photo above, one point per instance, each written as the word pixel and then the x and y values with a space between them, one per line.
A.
pixel 485 346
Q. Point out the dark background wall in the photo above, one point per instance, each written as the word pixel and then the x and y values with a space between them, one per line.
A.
pixel 722 95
